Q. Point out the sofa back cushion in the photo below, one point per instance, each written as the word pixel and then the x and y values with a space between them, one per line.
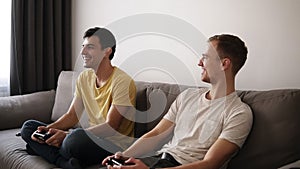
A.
pixel 275 136
pixel 14 110
pixel 273 141
pixel 153 102
pixel 64 93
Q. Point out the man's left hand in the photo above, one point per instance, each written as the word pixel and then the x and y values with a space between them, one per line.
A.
pixel 57 137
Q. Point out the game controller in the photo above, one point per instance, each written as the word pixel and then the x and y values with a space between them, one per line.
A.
pixel 42 135
pixel 114 161
pixel 119 162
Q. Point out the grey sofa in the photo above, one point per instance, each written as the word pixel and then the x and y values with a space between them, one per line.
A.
pixel 274 140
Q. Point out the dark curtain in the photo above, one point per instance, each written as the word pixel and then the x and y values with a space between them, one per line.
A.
pixel 40 44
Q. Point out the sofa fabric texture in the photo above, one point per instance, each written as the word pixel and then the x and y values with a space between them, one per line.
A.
pixel 273 141
pixel 64 93
pixel 16 109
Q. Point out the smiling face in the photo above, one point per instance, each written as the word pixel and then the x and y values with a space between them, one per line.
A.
pixel 92 52
pixel 211 64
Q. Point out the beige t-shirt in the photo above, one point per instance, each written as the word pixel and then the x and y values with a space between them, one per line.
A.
pixel 118 90
pixel 199 122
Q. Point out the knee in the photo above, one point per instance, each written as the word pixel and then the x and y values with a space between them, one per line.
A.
pixel 74 138
pixel 74 142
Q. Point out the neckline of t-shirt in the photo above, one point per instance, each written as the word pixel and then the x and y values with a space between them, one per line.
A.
pixel 221 99
pixel 107 82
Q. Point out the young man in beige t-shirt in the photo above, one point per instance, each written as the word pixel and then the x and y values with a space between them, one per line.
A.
pixel 208 125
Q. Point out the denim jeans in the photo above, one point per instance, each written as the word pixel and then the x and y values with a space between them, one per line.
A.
pixel 158 162
pixel 85 147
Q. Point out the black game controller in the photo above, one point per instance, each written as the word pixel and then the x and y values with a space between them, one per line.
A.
pixel 114 161
pixel 119 162
pixel 41 135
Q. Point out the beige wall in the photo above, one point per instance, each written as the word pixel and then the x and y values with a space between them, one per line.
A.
pixel 270 29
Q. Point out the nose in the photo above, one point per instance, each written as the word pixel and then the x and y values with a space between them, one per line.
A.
pixel 83 51
pixel 200 62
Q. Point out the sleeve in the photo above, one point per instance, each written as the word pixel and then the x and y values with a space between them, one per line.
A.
pixel 124 92
pixel 238 126
pixel 78 86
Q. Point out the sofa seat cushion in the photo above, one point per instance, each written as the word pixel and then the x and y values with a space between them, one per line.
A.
pixel 13 153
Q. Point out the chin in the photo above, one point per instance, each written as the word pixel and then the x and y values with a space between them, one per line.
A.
pixel 205 79
pixel 86 66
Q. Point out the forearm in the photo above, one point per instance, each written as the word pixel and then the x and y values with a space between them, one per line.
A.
pixel 146 144
pixel 138 148
pixel 103 130
pixel 71 118
pixel 65 122
pixel 218 154
pixel 198 164
pixel 115 116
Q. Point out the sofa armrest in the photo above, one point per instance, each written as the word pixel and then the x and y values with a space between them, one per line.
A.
pixel 14 110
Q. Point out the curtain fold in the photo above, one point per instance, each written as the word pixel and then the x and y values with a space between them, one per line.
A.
pixel 40 44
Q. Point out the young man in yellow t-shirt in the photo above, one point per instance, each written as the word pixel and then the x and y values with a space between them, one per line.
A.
pixel 106 94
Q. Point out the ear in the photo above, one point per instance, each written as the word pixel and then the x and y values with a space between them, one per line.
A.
pixel 107 51
pixel 226 64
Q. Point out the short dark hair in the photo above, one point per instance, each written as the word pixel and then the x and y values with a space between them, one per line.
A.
pixel 232 47
pixel 106 38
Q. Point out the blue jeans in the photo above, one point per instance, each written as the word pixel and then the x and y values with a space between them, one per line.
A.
pixel 79 144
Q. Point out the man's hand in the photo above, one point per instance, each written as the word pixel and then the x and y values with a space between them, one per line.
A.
pixel 118 155
pixel 57 137
pixel 39 129
pixel 134 164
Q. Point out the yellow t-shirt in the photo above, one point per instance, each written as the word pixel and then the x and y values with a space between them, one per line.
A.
pixel 119 90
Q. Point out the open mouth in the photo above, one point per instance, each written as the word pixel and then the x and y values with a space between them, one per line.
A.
pixel 203 71
pixel 86 59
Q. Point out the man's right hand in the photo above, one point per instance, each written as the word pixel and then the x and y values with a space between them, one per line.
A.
pixel 56 139
pixel 118 155
pixel 134 164
pixel 39 129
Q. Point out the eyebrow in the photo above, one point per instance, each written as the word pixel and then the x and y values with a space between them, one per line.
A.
pixel 89 44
